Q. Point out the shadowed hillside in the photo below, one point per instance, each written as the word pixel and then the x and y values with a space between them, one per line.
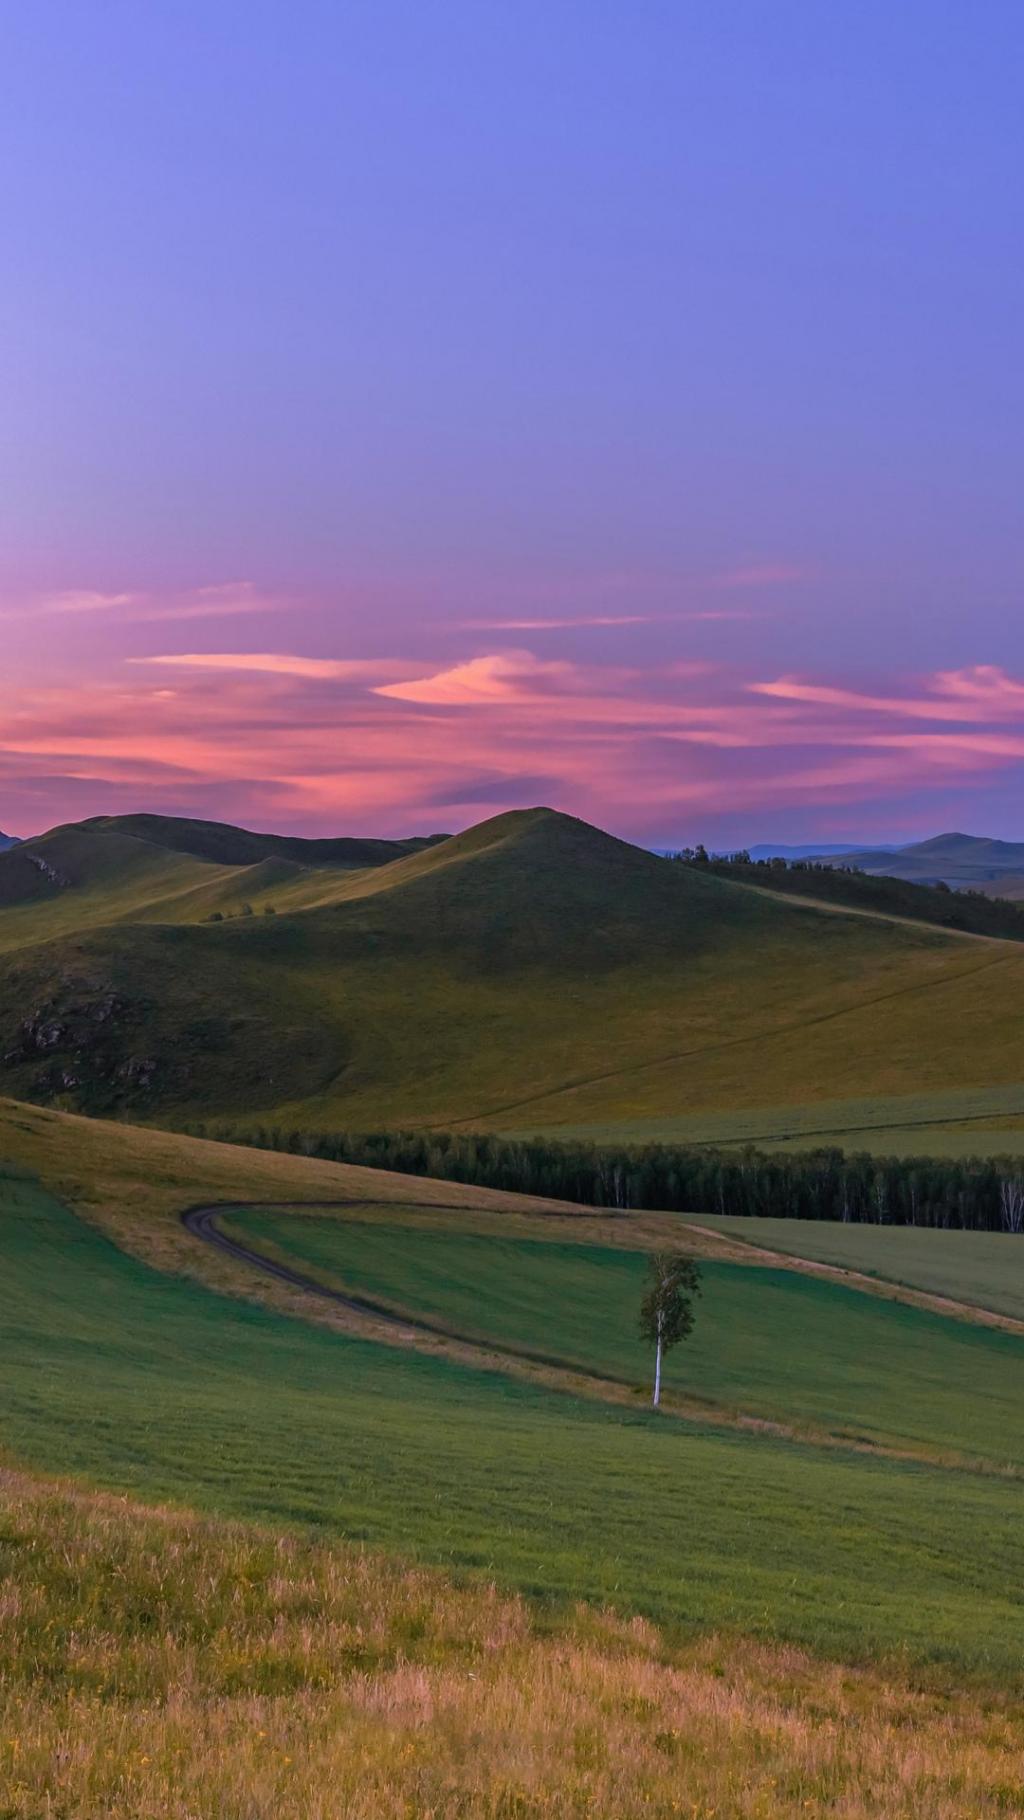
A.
pixel 228 846
pixel 968 909
pixel 154 868
pixel 532 972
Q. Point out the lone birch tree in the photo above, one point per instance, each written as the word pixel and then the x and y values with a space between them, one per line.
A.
pixel 666 1312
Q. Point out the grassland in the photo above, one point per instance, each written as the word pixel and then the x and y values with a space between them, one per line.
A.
pixel 157 1666
pixel 987 1121
pixel 417 1586
pixel 141 1380
pixel 982 1268
pixel 865 1368
pixel 531 974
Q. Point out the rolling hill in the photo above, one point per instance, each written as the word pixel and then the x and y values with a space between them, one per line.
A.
pixel 154 868
pixel 952 859
pixel 531 973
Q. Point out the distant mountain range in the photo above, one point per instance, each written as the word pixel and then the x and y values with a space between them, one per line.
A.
pixel 7 840
pixel 829 850
pixel 959 860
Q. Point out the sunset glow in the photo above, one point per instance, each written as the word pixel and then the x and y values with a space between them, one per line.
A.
pixel 476 416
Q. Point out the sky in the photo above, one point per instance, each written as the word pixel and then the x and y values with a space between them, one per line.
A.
pixel 411 412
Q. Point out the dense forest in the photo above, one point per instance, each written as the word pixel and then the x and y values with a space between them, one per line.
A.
pixel 986 1194
pixel 973 912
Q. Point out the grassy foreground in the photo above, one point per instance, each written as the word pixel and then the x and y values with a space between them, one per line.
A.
pixel 142 1380
pixel 155 1666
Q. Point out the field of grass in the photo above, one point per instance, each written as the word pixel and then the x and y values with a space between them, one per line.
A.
pixel 530 974
pixel 769 1628
pixel 864 1368
pixel 152 1383
pixel 983 1268
pixel 974 1121
pixel 157 1666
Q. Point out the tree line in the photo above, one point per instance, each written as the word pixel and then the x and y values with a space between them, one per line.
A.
pixel 984 1194
pixel 965 908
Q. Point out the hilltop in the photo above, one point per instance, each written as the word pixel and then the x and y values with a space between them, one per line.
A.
pixel 531 972
pixel 225 845
pixel 950 859
pixel 163 869
pixel 7 840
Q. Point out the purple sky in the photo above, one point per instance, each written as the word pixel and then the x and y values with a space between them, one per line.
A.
pixel 409 412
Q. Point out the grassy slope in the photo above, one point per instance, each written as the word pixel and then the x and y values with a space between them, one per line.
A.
pixel 227 845
pixel 882 893
pixel 154 1666
pixel 863 1367
pixel 154 869
pixel 986 1121
pixel 532 972
pixel 985 1268
pixel 149 1381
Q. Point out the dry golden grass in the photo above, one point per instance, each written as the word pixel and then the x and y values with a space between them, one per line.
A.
pixel 158 1667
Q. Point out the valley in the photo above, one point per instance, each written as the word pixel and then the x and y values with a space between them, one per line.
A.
pixel 398 1428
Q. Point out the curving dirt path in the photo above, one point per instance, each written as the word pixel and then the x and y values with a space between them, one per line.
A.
pixel 201 1222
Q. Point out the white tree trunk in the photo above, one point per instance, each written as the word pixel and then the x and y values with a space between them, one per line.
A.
pixel 657 1368
pixel 1011 1195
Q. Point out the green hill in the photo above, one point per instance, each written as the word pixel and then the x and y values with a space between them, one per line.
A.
pixel 228 846
pixel 969 909
pixel 148 868
pixel 531 973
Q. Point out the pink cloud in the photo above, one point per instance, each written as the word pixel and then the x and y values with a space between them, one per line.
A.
pixel 68 600
pixel 597 620
pixel 277 663
pixel 949 695
pixel 505 677
pixel 334 742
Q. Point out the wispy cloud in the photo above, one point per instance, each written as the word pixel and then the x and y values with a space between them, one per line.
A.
pixel 68 600
pixel 588 620
pixel 505 676
pixel 961 695
pixel 278 663
pixel 334 742
pixel 759 575
pixel 220 600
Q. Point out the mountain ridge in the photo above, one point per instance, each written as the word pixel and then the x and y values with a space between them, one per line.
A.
pixel 532 968
pixel 953 859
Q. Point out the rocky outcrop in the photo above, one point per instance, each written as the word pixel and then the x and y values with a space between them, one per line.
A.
pixel 50 873
pixel 76 1041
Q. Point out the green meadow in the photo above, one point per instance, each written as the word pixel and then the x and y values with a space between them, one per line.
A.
pixel 985 1269
pixel 975 1121
pixel 778 1344
pixel 529 974
pixel 148 1382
